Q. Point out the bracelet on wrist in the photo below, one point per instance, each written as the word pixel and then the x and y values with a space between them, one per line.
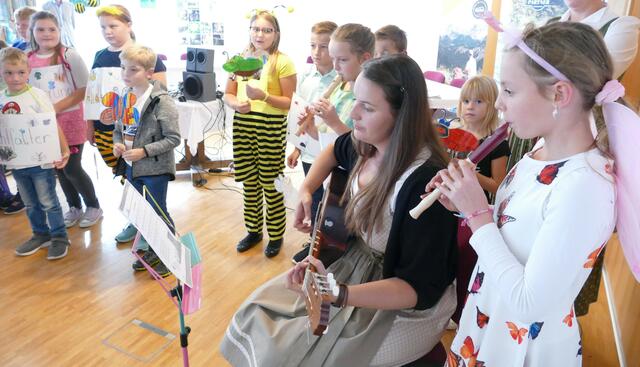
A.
pixel 266 96
pixel 477 213
pixel 343 296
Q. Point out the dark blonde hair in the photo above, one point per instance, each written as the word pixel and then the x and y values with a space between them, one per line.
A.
pixel 395 34
pixel 142 55
pixel 24 13
pixel 405 90
pixel 119 12
pixel 326 27
pixel 14 56
pixel 485 89
pixel 579 52
pixel 360 38
pixel 269 17
pixel 45 15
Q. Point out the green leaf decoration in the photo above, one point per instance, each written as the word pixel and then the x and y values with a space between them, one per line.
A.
pixel 240 65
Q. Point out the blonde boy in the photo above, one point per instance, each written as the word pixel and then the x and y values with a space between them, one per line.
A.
pixel 36 183
pixel 145 139
pixel 22 18
pixel 390 40
pixel 312 86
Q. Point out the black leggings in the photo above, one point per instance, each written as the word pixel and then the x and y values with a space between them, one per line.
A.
pixel 76 182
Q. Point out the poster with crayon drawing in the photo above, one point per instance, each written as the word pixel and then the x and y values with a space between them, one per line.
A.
pixel 28 140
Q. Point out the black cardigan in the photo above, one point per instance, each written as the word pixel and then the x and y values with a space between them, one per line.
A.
pixel 422 252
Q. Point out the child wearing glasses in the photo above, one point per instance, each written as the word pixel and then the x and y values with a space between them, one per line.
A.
pixel 259 132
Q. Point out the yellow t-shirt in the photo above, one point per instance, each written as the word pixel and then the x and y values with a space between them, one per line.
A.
pixel 269 81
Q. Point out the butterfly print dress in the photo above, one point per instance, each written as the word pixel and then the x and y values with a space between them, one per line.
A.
pixel 551 221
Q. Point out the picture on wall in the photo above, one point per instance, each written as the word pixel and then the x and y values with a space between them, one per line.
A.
pixel 535 11
pixel 198 24
pixel 461 46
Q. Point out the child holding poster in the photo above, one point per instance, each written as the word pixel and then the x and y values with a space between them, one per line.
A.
pixel 36 182
pixel 145 138
pixel 60 71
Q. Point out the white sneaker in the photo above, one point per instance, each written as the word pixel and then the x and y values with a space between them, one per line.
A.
pixel 91 216
pixel 72 217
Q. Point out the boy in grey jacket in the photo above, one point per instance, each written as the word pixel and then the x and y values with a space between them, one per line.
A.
pixel 145 137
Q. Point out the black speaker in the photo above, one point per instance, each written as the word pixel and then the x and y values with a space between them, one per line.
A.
pixel 199 86
pixel 200 60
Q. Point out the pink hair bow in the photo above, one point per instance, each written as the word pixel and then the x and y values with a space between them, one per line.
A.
pixel 513 38
pixel 611 92
pixel 623 127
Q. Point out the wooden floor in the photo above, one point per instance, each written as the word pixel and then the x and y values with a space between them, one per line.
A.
pixel 59 313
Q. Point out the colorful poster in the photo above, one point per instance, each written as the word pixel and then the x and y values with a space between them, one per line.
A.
pixel 461 46
pixel 27 140
pixel 102 82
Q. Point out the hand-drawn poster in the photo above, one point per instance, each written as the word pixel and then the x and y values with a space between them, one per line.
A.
pixel 97 99
pixel 27 140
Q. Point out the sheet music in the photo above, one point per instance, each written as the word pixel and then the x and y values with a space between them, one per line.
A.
pixel 166 245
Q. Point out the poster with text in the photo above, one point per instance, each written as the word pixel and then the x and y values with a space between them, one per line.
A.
pixel 28 140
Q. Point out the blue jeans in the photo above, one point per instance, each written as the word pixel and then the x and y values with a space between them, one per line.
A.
pixel 157 188
pixel 37 187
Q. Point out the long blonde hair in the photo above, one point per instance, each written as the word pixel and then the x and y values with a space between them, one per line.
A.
pixel 274 48
pixel 485 89
pixel 405 90
pixel 579 52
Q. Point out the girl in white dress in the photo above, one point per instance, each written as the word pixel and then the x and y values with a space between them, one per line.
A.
pixel 554 211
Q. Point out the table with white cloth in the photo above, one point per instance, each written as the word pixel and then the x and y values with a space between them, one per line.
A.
pixel 442 96
pixel 195 119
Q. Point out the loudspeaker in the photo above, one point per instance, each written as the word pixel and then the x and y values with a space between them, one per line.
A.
pixel 200 60
pixel 199 86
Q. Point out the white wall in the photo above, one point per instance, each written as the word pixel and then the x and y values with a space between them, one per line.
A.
pixel 157 28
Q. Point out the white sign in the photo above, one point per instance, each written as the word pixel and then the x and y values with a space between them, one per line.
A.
pixel 173 253
pixel 104 85
pixel 28 140
pixel 303 142
pixel 55 81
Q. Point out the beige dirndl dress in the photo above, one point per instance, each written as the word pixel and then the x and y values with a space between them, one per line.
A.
pixel 270 328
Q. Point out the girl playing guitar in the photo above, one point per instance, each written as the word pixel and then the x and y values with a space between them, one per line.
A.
pixel 396 292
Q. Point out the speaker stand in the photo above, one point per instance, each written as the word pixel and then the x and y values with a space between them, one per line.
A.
pixel 200 159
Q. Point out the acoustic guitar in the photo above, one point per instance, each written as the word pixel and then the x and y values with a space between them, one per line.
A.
pixel 328 242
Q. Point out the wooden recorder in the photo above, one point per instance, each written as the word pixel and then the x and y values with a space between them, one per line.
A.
pixel 327 93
